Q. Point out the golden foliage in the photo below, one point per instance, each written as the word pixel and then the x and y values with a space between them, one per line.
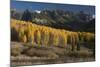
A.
pixel 42 35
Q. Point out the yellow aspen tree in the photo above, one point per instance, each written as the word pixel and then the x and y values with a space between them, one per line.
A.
pixel 24 39
pixel 77 41
pixel 88 37
pixel 21 34
pixel 55 39
pixel 68 37
pixel 46 38
pixel 38 39
pixel 51 35
pixel 64 36
pixel 31 37
pixel 73 41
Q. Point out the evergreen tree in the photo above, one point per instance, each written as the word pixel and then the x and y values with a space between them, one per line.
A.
pixel 27 15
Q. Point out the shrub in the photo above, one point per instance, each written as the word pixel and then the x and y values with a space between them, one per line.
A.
pixel 16 50
pixel 80 54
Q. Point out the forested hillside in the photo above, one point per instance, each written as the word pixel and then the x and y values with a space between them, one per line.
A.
pixel 57 18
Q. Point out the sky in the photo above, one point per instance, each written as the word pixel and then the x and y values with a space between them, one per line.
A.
pixel 22 5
